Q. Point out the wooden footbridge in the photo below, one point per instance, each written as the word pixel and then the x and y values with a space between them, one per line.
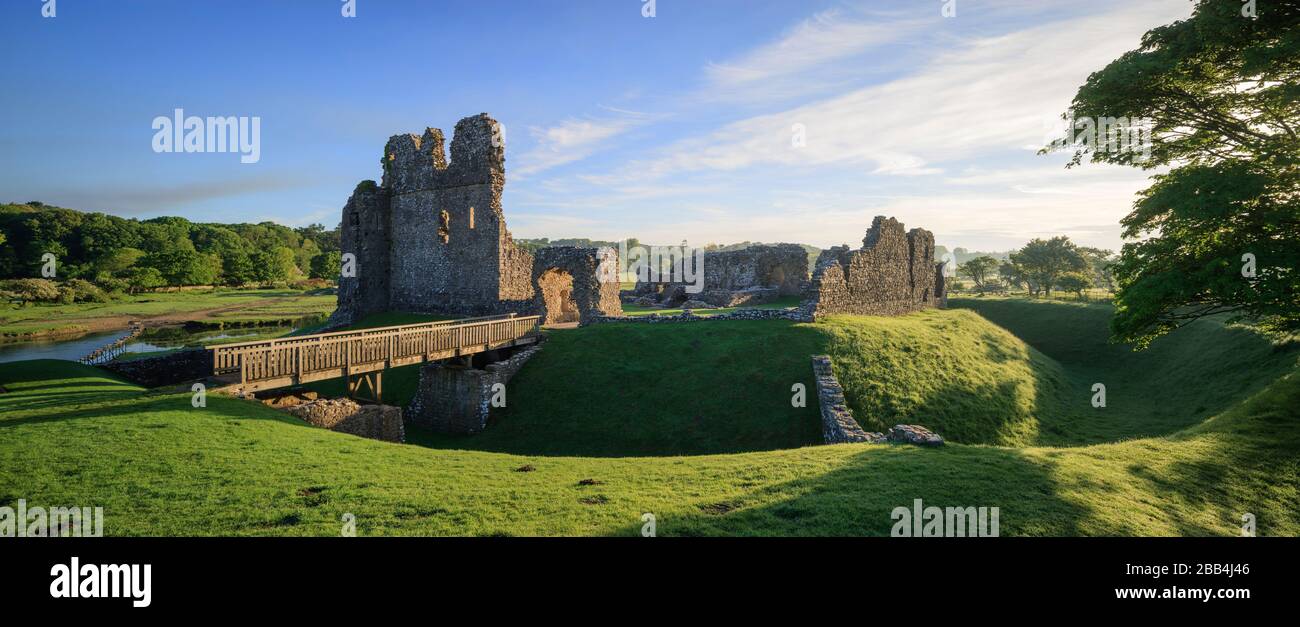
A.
pixel 364 353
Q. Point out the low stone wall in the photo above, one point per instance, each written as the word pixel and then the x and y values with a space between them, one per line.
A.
pixel 378 422
pixel 168 369
pixel 454 399
pixel 839 425
pixel 798 314
pixel 736 298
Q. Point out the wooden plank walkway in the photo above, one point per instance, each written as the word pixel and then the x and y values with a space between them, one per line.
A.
pixel 302 359
pixel 109 352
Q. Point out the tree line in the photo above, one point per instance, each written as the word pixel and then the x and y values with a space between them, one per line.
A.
pixel 114 254
pixel 1043 265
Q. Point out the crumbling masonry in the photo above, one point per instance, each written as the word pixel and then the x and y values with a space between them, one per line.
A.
pixel 892 274
pixel 736 278
pixel 432 238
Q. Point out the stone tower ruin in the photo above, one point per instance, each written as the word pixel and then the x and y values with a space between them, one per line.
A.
pixel 432 238
pixel 892 274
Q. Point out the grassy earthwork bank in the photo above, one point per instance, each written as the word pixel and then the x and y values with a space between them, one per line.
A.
pixel 693 423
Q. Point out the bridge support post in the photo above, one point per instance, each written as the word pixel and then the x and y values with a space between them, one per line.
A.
pixel 373 380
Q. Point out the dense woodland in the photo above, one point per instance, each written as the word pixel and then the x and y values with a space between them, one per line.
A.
pixel 96 252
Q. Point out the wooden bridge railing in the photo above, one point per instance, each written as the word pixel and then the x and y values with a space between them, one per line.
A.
pixel 327 355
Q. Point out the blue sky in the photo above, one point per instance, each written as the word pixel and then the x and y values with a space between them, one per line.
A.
pixel 666 128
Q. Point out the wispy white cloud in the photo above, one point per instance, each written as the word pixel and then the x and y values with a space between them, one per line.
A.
pixel 804 59
pixel 574 139
pixel 989 94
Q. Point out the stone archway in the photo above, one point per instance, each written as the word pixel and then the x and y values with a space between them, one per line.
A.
pixel 557 295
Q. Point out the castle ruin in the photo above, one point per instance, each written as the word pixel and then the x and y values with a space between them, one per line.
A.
pixel 892 274
pixel 736 278
pixel 432 238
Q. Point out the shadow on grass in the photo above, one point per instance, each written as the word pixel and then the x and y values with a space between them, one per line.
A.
pixel 98 405
pixel 1197 483
pixel 1183 379
pixel 618 390
pixel 858 497
pixel 1248 462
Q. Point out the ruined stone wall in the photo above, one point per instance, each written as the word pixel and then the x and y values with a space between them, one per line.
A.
pixel 433 238
pixel 738 277
pixel 784 266
pixel 838 424
pixel 166 369
pixel 451 252
pixel 581 269
pixel 892 274
pixel 365 234
pixel 453 399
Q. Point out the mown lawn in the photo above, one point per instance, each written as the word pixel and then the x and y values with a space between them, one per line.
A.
pixel 70 435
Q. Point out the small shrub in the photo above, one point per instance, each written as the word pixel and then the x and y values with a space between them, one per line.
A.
pixel 86 292
pixel 310 284
pixel 31 290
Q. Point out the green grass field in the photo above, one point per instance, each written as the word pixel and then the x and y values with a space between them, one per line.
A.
pixel 619 420
pixel 233 308
pixel 780 303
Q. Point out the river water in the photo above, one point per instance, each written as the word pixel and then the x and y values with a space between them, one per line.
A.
pixel 151 341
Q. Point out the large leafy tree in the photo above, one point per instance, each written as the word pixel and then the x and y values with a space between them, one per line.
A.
pixel 275 265
pixel 978 269
pixel 1042 262
pixel 1012 276
pixel 1220 231
pixel 1101 264
pixel 327 265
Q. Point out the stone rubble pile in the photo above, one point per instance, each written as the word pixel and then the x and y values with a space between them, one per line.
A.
pixel 378 422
